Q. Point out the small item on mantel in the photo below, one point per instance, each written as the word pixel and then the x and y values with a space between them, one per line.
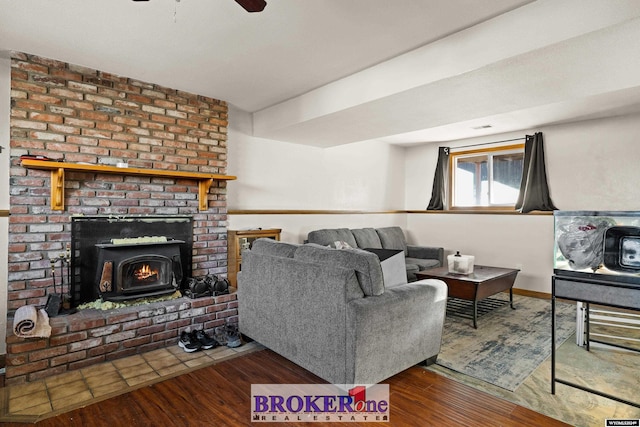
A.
pixel 460 264
pixel 39 157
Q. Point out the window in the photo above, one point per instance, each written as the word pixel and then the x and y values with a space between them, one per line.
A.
pixel 486 178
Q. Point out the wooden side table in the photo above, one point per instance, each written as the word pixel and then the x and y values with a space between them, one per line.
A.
pixel 482 283
pixel 239 240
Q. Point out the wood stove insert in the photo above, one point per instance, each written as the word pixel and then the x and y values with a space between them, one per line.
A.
pixel 132 269
pixel 95 240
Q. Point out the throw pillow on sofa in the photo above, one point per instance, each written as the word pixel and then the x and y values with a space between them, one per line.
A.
pixel 339 244
pixel 327 236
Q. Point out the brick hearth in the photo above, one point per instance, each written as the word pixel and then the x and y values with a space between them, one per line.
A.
pixel 93 336
pixel 82 115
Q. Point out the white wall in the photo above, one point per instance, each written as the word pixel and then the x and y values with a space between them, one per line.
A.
pixel 595 164
pixel 5 91
pixel 591 165
pixel 276 175
pixel 512 241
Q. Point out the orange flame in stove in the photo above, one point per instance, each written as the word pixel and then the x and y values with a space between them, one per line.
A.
pixel 144 272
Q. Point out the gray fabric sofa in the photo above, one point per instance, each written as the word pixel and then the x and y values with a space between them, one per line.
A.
pixel 329 311
pixel 417 258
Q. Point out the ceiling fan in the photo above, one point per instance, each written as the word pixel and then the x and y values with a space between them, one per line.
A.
pixel 248 5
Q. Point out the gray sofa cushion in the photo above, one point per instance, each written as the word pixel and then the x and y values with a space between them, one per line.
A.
pixel 393 238
pixel 367 238
pixel 365 264
pixel 423 264
pixel 418 264
pixel 326 237
pixel 412 269
pixel 274 247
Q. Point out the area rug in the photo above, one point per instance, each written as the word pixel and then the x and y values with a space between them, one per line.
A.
pixel 508 344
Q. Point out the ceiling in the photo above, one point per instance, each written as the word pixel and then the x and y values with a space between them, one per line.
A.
pixel 331 72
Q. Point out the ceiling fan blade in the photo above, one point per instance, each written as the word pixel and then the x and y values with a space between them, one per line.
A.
pixel 248 5
pixel 252 5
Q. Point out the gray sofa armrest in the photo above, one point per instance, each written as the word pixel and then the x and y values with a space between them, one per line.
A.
pixel 396 330
pixel 426 252
pixel 297 309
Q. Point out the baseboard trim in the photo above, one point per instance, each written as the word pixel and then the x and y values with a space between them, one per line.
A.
pixel 534 294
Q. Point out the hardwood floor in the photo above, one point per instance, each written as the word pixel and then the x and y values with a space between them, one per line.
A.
pixel 220 395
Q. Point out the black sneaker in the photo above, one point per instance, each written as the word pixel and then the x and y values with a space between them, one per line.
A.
pixel 188 342
pixel 205 340
pixel 233 336
pixel 220 335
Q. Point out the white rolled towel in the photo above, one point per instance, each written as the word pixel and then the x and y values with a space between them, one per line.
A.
pixel 30 322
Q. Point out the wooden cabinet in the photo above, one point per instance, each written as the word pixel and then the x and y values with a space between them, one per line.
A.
pixel 239 240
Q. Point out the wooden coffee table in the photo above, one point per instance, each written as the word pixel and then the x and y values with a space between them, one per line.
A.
pixel 482 283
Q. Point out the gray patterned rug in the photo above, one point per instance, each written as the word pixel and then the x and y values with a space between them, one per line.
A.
pixel 508 344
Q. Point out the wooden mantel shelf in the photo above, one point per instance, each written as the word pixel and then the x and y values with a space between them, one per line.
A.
pixel 205 180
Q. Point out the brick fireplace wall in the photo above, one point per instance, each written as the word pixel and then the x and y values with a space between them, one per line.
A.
pixel 81 115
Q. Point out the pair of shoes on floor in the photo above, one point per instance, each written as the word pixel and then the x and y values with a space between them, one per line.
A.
pixel 196 340
pixel 228 335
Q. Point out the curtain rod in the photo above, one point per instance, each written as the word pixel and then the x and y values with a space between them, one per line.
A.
pixel 487 143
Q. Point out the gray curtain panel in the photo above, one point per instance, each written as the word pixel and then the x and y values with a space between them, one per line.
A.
pixel 534 190
pixel 439 190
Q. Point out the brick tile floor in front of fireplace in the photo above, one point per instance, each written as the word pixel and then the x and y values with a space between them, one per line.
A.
pixel 61 393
